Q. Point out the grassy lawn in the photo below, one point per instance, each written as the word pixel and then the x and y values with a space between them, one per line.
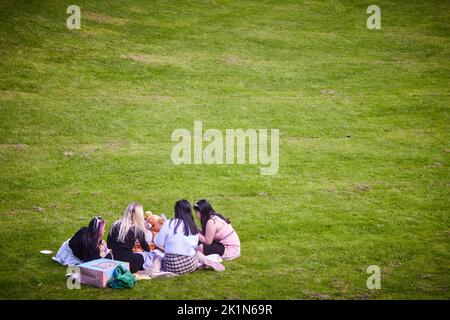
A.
pixel 86 118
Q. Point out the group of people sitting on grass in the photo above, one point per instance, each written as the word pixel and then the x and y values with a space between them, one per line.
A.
pixel 183 245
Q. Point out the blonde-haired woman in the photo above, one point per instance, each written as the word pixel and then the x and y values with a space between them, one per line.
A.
pixel 123 235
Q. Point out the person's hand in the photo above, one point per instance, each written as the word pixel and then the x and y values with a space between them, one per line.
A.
pixel 103 246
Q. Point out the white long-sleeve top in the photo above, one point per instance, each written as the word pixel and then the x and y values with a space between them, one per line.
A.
pixel 176 243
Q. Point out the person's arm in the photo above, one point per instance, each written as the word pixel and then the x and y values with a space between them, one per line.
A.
pixel 201 237
pixel 161 237
pixel 210 232
pixel 143 242
pixel 104 250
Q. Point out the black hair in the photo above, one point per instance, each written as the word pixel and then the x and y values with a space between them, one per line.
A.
pixel 206 213
pixel 183 212
pixel 94 231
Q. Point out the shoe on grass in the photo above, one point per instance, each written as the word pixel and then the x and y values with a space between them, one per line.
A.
pixel 215 265
pixel 214 257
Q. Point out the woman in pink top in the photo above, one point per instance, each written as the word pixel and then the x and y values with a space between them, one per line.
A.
pixel 217 235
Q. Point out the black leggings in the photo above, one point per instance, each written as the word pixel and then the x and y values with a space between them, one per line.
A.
pixel 135 260
pixel 216 247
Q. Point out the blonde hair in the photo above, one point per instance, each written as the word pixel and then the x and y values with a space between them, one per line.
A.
pixel 133 219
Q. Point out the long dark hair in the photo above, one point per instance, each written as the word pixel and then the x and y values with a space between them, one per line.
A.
pixel 206 213
pixel 94 236
pixel 183 212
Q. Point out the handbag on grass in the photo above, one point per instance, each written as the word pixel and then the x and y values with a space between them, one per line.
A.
pixel 122 278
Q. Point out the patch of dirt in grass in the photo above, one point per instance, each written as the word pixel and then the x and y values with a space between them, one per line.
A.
pixel 364 296
pixel 95 32
pixel 155 59
pixel 360 187
pixel 316 295
pixel 437 165
pixel 87 151
pixel 425 276
pixel 328 92
pixel 16 147
pixel 12 94
pixel 403 61
pixel 233 60
pixel 425 283
pixel 331 190
pixel 92 16
pixel 115 145
pixel 389 269
pixel 82 151
pixel 157 97
pixel 7 213
pixel 391 62
pixel 233 297
pixel 20 147
pixel 141 98
pixel 39 209
pixel 135 57
pixel 341 285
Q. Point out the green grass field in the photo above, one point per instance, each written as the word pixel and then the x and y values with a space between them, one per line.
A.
pixel 86 118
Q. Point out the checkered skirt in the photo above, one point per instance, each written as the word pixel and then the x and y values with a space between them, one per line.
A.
pixel 179 264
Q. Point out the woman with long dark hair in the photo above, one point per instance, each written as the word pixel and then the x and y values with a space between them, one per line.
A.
pixel 87 244
pixel 179 239
pixel 217 235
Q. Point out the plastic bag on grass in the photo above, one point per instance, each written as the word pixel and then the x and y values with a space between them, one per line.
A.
pixel 122 278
